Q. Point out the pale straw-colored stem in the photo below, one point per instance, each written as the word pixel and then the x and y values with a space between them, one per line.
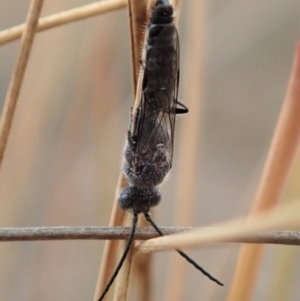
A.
pixel 137 24
pixel 123 280
pixel 111 248
pixel 137 17
pixel 110 252
pixel 142 267
pixel 139 77
pixel 64 17
pixel 16 81
pixel 285 216
pixel 142 233
pixel 275 173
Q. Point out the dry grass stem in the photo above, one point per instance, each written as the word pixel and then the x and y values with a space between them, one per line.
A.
pixel 278 163
pixel 139 78
pixel 253 231
pixel 18 74
pixel 142 272
pixel 142 267
pixel 282 217
pixel 137 19
pixel 123 279
pixel 64 17
pixel 110 252
pixel 137 22
pixel 143 233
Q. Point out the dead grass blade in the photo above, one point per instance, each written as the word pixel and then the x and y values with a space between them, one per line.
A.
pixel 139 76
pixel 284 216
pixel 123 280
pixel 137 21
pixel 279 237
pixel 142 267
pixel 110 252
pixel 64 17
pixel 142 272
pixel 18 74
pixel 277 166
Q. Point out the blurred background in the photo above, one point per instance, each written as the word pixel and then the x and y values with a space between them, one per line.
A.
pixel 63 157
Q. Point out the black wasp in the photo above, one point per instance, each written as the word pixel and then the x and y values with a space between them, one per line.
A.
pixel 149 149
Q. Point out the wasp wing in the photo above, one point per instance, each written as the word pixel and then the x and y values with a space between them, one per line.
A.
pixel 154 122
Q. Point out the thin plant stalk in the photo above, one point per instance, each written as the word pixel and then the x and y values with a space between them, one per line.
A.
pixel 284 216
pixel 142 266
pixel 278 237
pixel 110 249
pixel 64 17
pixel 138 18
pixel 123 280
pixel 137 21
pixel 16 81
pixel 110 252
pixel 139 77
pixel 274 177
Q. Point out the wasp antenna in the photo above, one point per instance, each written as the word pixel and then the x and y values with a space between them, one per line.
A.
pixel 186 257
pixel 129 243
